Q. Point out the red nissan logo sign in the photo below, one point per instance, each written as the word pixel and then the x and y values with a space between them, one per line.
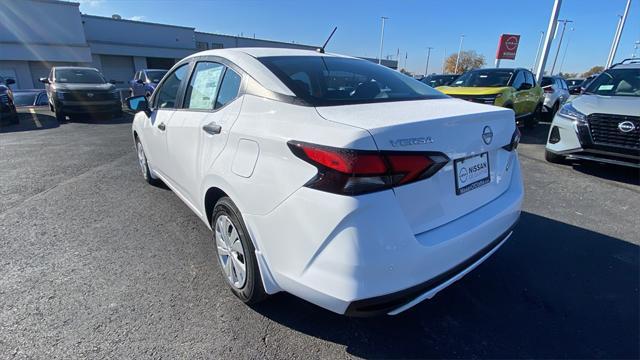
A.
pixel 511 43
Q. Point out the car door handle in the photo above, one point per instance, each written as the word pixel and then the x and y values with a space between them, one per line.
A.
pixel 212 128
pixel 162 126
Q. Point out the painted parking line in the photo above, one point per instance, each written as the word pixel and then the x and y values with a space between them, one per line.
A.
pixel 34 116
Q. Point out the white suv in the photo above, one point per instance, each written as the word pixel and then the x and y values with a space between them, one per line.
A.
pixel 602 124
pixel 335 179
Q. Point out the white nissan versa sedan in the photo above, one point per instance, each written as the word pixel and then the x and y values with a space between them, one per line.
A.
pixel 335 179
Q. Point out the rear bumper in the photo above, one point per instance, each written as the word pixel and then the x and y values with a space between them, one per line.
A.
pixel 359 256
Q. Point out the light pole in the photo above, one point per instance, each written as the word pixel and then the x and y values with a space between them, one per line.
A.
pixel 616 38
pixel 426 69
pixel 566 49
pixel 535 61
pixel 381 39
pixel 555 59
pixel 444 59
pixel 459 51
pixel 551 29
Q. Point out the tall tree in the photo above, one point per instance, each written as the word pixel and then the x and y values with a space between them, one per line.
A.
pixel 469 60
pixel 593 70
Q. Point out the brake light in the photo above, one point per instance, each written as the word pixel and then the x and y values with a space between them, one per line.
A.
pixel 355 172
pixel 548 89
pixel 515 140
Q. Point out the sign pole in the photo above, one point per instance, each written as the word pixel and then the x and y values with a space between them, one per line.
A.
pixel 551 29
pixel 497 63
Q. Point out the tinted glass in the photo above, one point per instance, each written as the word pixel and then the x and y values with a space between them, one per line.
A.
pixel 155 75
pixel 529 78
pixel 229 88
pixel 519 80
pixel 203 86
pixel 24 99
pixel 575 82
pixel 546 81
pixel 616 82
pixel 43 99
pixel 484 78
pixel 79 76
pixel 167 93
pixel 325 81
pixel 438 80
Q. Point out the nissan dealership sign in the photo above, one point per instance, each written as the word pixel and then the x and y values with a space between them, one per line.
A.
pixel 508 46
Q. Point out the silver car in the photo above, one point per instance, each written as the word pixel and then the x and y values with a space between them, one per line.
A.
pixel 556 92
pixel 602 124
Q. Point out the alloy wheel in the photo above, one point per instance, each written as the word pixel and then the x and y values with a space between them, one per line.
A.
pixel 230 251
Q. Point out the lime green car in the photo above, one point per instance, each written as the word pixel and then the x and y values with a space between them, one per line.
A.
pixel 511 88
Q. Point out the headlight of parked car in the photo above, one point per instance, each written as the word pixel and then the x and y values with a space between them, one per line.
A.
pixel 571 113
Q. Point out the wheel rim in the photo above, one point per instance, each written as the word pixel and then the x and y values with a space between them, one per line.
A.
pixel 230 252
pixel 142 159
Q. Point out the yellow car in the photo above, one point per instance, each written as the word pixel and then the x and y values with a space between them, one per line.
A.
pixel 515 89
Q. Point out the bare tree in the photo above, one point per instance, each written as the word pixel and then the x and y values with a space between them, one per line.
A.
pixel 593 70
pixel 469 60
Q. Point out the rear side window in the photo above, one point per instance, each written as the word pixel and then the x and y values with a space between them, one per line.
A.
pixel 327 80
pixel 530 79
pixel 519 80
pixel 203 86
pixel 168 91
pixel 228 89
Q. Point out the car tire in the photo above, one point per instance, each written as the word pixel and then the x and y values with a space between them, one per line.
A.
pixel 554 158
pixel 144 165
pixel 552 112
pixel 531 121
pixel 60 115
pixel 235 250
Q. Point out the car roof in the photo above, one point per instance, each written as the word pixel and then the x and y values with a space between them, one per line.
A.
pixel 633 65
pixel 28 90
pixel 155 70
pixel 74 68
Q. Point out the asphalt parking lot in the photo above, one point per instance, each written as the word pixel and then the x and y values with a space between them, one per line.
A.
pixel 96 263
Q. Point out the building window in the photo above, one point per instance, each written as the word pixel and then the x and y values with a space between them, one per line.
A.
pixel 201 45
pixel 217 46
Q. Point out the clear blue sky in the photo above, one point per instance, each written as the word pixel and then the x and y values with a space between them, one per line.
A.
pixel 413 25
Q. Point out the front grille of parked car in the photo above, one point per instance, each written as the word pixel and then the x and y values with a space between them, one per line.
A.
pixel 482 99
pixel 84 96
pixel 604 130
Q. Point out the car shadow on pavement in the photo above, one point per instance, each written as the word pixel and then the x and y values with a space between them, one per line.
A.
pixel 619 173
pixel 536 135
pixel 27 122
pixel 573 294
pixel 101 119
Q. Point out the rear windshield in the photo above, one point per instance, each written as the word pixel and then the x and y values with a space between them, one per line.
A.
pixel 616 82
pixel 79 76
pixel 546 81
pixel 326 81
pixel 575 82
pixel 24 98
pixel 156 75
pixel 484 78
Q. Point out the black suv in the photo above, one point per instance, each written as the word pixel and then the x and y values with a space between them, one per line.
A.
pixel 81 90
pixel 8 112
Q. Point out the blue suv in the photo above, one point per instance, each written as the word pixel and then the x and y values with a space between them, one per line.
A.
pixel 145 81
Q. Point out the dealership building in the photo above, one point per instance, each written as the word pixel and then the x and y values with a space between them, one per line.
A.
pixel 38 34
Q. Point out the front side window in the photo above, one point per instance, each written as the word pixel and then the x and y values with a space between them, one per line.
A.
pixel 616 82
pixel 229 88
pixel 167 93
pixel 203 86
pixel 79 76
pixel 519 80
pixel 327 81
pixel 529 78
pixel 484 78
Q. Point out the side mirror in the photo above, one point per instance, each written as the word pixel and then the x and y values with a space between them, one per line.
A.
pixel 44 80
pixel 140 81
pixel 138 103
pixel 525 86
pixel 9 81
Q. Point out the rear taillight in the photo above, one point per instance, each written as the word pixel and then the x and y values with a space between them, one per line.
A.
pixel 355 172
pixel 515 140
pixel 548 89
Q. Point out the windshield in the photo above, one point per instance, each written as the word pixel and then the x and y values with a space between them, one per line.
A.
pixel 484 78
pixel 79 76
pixel 575 82
pixel 439 80
pixel 616 82
pixel 155 75
pixel 24 98
pixel 326 81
